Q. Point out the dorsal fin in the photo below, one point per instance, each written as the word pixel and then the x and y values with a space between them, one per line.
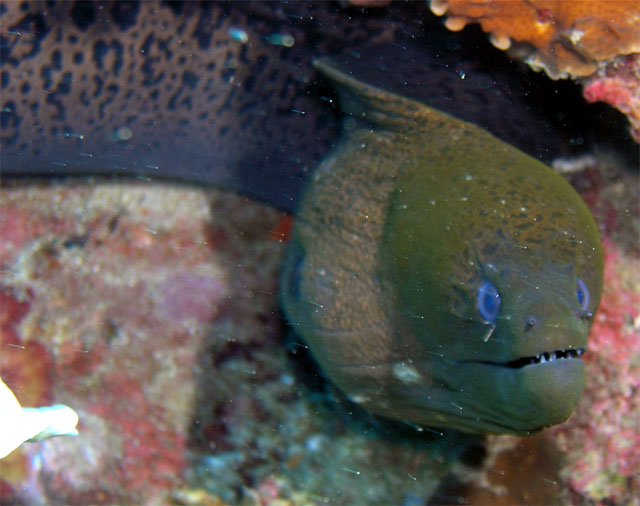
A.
pixel 379 108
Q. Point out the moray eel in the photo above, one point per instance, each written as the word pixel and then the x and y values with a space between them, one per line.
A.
pixel 440 276
pixel 169 90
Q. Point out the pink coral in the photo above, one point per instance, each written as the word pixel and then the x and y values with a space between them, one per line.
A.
pixel 144 438
pixel 601 440
pixel 618 84
pixel 119 288
pixel 188 295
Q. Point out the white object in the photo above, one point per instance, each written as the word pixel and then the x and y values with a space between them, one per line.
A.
pixel 18 424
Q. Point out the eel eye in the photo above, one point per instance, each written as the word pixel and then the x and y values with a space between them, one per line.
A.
pixel 488 301
pixel 582 294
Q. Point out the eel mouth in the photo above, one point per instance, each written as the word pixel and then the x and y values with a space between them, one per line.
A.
pixel 547 356
pixel 542 358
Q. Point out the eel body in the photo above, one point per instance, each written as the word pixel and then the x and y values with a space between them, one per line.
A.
pixel 223 93
pixel 440 276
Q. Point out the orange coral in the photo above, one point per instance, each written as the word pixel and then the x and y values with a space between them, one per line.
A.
pixel 567 37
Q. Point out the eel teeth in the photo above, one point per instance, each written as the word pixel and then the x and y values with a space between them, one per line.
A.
pixel 547 356
pixel 542 358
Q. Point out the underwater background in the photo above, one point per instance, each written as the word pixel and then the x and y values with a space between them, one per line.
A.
pixel 146 297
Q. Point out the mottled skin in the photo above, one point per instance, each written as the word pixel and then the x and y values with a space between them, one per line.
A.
pixel 163 89
pixel 398 228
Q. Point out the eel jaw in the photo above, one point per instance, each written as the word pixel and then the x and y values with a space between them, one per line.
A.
pixel 524 395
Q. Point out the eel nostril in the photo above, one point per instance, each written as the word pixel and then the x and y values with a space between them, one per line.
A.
pixel 586 315
pixel 532 321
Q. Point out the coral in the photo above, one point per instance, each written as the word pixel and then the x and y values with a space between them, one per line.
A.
pixel 109 301
pixel 182 401
pixel 21 424
pixel 91 315
pixel 605 468
pixel 566 37
pixel 28 369
pixel 601 440
pixel 158 307
pixel 516 470
pixel 618 84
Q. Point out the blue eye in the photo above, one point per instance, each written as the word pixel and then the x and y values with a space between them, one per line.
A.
pixel 488 301
pixel 582 293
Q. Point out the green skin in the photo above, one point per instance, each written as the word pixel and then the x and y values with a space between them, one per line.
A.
pixel 397 230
